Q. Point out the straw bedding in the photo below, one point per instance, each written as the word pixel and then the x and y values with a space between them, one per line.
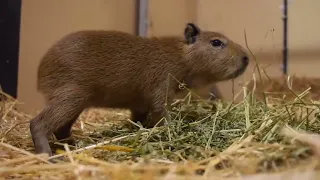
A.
pixel 206 140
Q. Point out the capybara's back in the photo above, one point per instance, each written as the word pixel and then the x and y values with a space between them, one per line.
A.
pixel 90 58
pixel 114 68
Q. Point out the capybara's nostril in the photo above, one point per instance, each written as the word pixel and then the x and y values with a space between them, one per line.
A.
pixel 245 60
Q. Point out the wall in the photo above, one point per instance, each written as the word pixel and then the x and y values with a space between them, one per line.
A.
pixel 262 21
pixel 167 17
pixel 42 26
pixel 44 22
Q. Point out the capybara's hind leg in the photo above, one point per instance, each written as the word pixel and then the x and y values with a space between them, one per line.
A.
pixel 57 117
pixel 64 134
pixel 40 132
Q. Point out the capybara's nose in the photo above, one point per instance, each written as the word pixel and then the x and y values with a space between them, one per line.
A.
pixel 245 60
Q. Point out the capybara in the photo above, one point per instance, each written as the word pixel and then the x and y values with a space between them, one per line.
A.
pixel 113 69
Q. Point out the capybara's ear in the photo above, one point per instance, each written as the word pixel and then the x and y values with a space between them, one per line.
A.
pixel 191 32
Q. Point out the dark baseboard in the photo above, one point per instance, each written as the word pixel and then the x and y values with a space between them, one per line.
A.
pixel 10 13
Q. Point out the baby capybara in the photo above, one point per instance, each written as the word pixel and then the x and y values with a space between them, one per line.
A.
pixel 118 70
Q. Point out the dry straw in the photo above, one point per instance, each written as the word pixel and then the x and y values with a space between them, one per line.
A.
pixel 204 140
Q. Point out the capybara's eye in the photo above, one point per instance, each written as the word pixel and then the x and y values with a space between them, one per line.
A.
pixel 216 43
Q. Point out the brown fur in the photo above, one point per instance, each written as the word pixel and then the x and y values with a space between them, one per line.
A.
pixel 118 70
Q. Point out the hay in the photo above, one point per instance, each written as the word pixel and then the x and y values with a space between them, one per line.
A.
pixel 277 87
pixel 271 133
pixel 205 140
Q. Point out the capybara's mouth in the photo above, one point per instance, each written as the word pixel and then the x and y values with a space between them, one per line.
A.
pixel 239 71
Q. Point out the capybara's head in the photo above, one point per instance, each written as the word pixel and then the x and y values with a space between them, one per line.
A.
pixel 214 55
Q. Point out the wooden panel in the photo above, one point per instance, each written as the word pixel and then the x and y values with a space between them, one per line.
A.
pixel 262 21
pixel 167 17
pixel 44 22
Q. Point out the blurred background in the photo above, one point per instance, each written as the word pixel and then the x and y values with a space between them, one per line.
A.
pixel 42 23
